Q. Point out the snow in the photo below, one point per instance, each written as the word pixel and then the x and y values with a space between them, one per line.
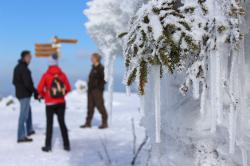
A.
pixel 157 101
pixel 87 148
pixel 156 24
pixel 209 124
pixel 81 86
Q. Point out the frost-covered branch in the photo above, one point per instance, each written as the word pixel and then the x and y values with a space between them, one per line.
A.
pixel 139 150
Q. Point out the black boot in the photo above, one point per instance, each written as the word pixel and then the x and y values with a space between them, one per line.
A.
pixel 31 133
pixel 67 148
pixel 46 149
pixel 25 140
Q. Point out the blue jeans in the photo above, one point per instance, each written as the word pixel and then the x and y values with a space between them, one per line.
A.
pixel 25 119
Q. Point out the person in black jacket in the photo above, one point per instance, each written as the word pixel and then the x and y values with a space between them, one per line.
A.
pixel 24 87
pixel 96 85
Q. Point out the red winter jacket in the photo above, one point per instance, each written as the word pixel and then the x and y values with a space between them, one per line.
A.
pixel 46 81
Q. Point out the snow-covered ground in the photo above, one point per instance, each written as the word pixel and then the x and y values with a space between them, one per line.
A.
pixel 87 145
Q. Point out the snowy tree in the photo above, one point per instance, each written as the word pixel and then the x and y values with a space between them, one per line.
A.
pixel 214 59
pixel 200 43
pixel 107 19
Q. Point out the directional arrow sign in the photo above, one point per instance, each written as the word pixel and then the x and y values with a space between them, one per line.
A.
pixel 46 49
pixel 69 41
pixel 43 54
pixel 44 45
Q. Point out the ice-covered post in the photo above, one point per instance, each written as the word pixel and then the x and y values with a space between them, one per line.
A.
pixel 109 76
pixel 157 101
pixel 234 108
pixel 244 156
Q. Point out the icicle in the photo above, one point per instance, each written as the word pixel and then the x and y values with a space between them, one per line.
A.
pixel 244 156
pixel 243 98
pixel 142 105
pixel 232 128
pixel 157 100
pixel 196 88
pixel 212 95
pixel 233 105
pixel 218 104
pixel 110 88
pixel 203 99
pixel 128 90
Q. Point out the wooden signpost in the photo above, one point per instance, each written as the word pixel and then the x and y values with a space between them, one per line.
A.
pixel 47 49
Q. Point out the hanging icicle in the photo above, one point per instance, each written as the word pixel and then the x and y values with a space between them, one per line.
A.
pixel 128 90
pixel 142 105
pixel 219 103
pixel 233 105
pixel 157 100
pixel 244 156
pixel 213 94
pixel 203 99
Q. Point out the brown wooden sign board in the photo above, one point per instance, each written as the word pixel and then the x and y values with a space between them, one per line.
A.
pixel 42 55
pixel 44 45
pixel 46 49
pixel 69 41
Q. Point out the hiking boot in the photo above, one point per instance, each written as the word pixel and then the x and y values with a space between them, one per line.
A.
pixel 46 149
pixel 31 133
pixel 85 126
pixel 103 126
pixel 25 140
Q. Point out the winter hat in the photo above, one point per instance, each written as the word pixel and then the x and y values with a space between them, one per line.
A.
pixel 53 60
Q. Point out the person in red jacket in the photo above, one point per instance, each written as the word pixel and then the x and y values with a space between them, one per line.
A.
pixel 53 87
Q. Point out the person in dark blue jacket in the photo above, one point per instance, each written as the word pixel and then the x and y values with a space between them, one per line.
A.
pixel 24 87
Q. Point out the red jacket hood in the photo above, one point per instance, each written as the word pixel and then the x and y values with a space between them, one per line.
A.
pixel 45 85
pixel 54 70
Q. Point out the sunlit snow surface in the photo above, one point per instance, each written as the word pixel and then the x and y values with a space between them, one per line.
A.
pixel 87 149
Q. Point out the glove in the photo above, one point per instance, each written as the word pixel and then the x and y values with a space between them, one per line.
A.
pixel 36 95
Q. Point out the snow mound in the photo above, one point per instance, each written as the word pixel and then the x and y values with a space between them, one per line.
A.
pixel 9 102
pixel 81 86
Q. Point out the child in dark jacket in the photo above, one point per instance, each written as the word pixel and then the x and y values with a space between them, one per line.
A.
pixel 53 87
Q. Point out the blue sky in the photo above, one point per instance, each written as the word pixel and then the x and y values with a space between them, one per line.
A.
pixel 26 22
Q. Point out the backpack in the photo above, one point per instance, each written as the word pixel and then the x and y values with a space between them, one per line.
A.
pixel 57 88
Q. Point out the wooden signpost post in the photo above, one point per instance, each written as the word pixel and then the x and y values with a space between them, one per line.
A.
pixel 47 49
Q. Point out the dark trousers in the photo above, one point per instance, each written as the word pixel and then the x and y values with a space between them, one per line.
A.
pixel 95 100
pixel 59 110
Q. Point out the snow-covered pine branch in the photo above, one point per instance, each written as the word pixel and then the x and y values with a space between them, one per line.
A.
pixel 162 33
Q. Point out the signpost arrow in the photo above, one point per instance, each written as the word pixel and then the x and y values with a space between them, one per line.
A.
pixel 47 49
